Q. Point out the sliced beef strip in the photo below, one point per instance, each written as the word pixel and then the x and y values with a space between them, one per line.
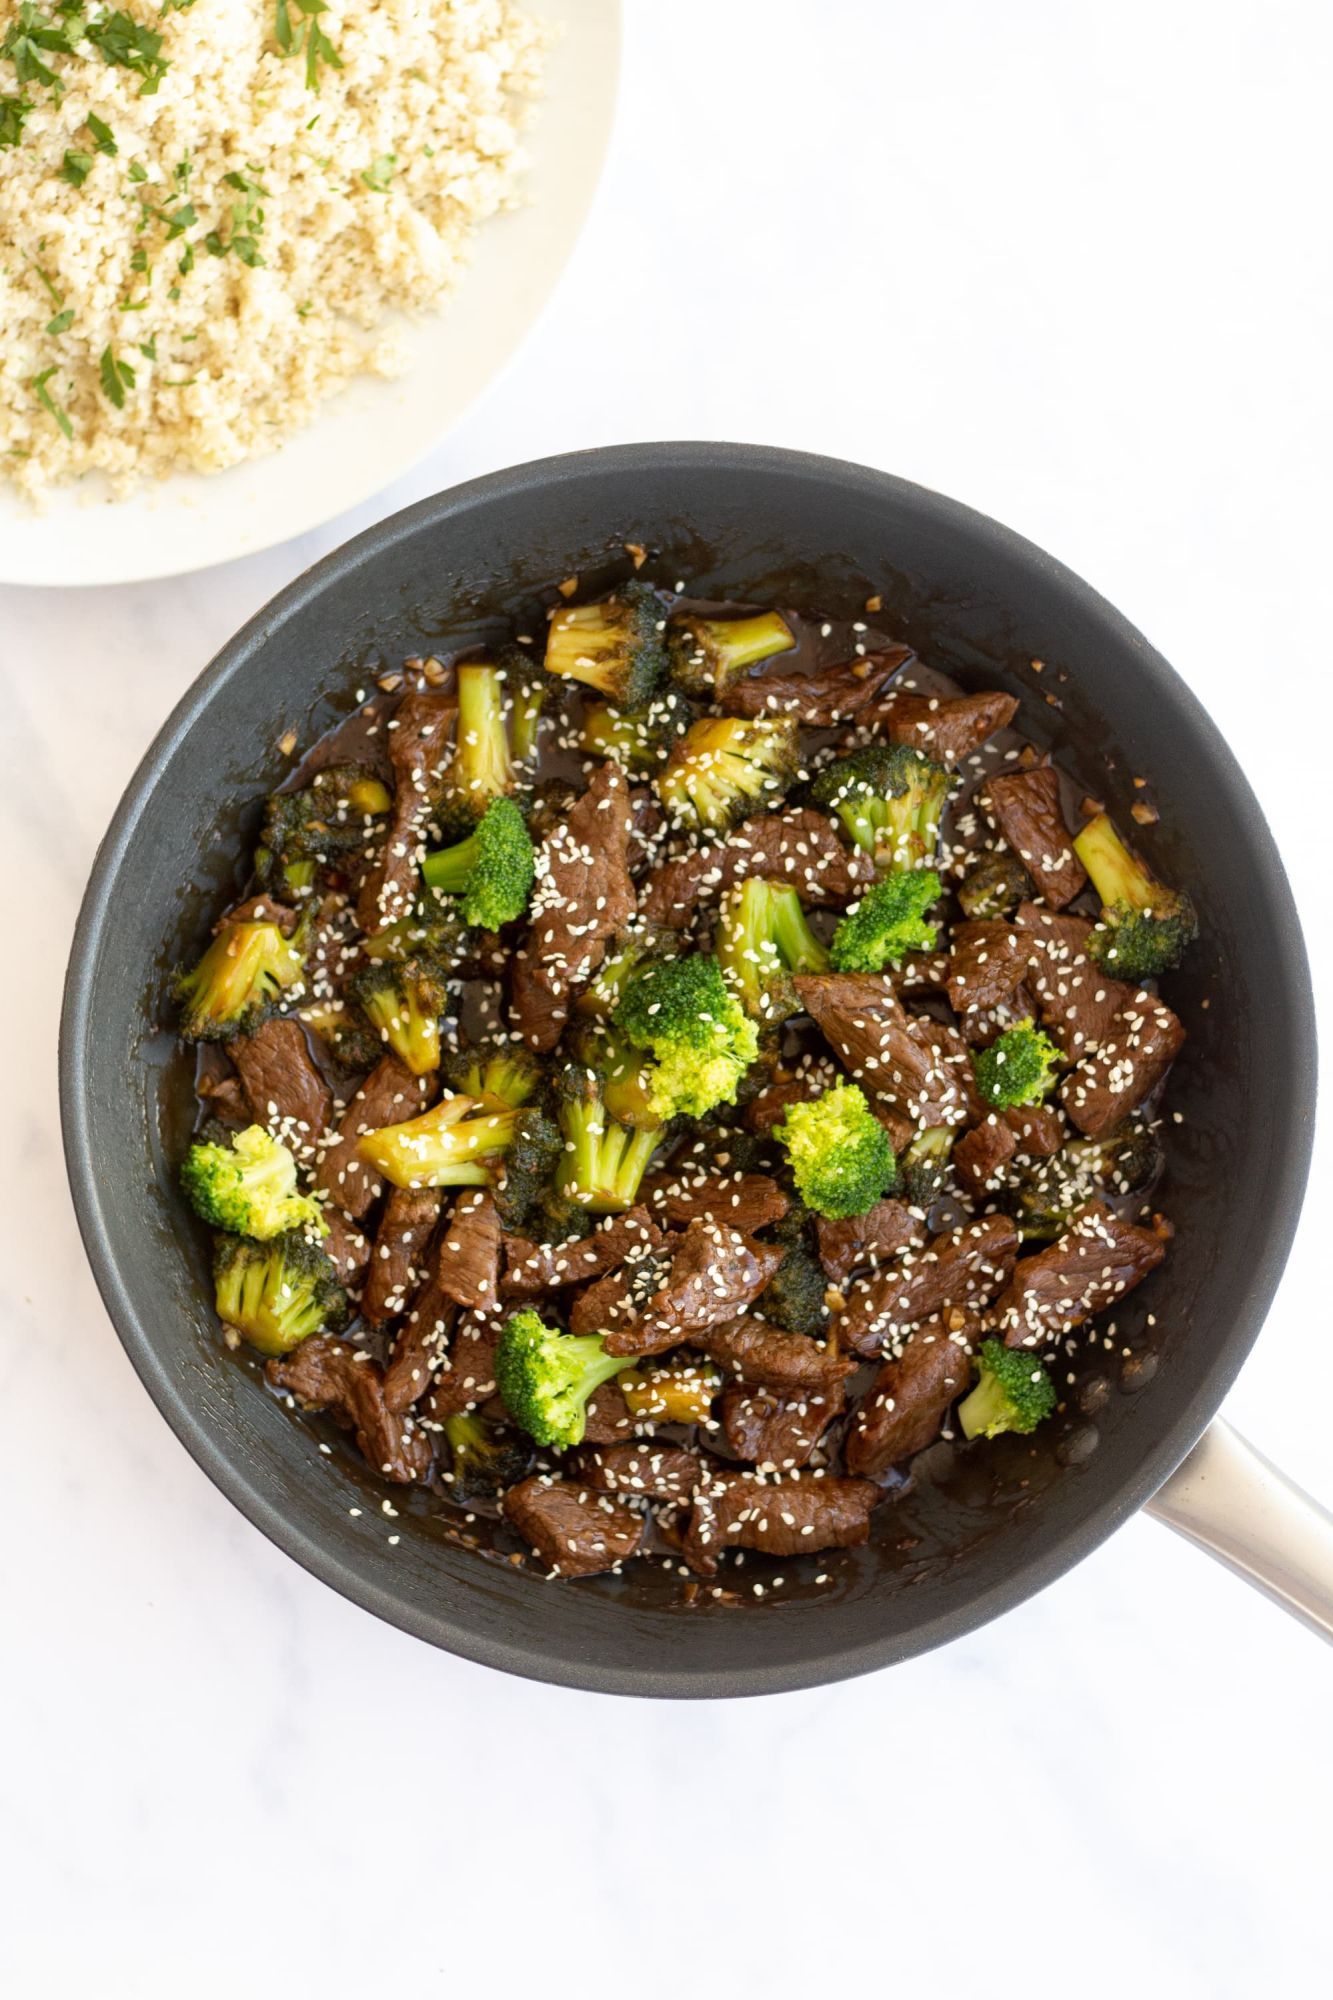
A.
pixel 583 896
pixel 1078 1000
pixel 771 1106
pixel 801 847
pixel 760 1353
pixel 1025 805
pixel 962 1269
pixel 226 1099
pixel 609 1417
pixel 782 1517
pixel 916 1065
pixel 1140 1044
pixel 982 1152
pixel 646 821
pixel 345 1246
pixel 389 1096
pixel 573 1530
pixel 987 961
pixel 947 730
pixel 421 1347
pixel 643 1467
pixel 820 700
pixel 855 1241
pixel 744 1201
pixel 904 1407
pixel 607 1303
pixel 777 1433
pixel 469 1261
pixel 286 1091
pixel 1040 1129
pixel 468 1375
pixel 260 910
pixel 1099 1258
pixel 534 1268
pixel 406 1227
pixel 921 974
pixel 419 735
pixel 715 1273
pixel 327 1374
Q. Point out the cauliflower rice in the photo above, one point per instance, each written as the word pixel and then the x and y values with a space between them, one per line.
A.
pixel 155 314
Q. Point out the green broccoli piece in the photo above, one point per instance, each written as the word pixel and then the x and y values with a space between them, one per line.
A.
pixel 794 1296
pixel 247 1184
pixel 638 738
pixel 994 887
pixel 889 797
pixel 236 982
pixel 1047 1198
pixel 504 1072
pixel 481 768
pixel 681 1014
pixel 546 1377
pixel 1148 928
pixel 403 1000
pixel 493 870
pixel 724 766
pixel 604 1161
pixel 1013 1392
pixel 838 1151
pixel 708 654
pixel 458 1143
pixel 925 1164
pixel 529 1164
pixel 642 945
pixel 526 688
pixel 276 1293
pixel 762 940
pixel 888 922
pixel 334 814
pixel 484 1457
pixel 615 647
pixel 1019 1067
pixel 432 929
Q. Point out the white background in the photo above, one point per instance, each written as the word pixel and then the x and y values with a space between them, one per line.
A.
pixel 1069 263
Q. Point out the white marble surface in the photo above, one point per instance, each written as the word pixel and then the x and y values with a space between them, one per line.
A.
pixel 1068 263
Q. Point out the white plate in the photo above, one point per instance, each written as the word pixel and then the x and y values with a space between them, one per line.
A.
pixel 374 430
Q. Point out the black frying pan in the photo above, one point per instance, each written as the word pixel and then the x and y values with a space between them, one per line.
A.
pixel 982 1529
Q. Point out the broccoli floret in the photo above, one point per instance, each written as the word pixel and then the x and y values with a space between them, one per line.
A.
pixel 681 1014
pixel 925 1164
pixel 505 1073
pixel 346 1033
pixel 234 985
pixel 888 922
pixel 492 870
pixel 889 797
pixel 484 1457
pixel 762 940
pixel 643 945
pixel 288 880
pixel 615 647
pixel 994 887
pixel 626 1073
pixel 839 1152
pixel 1046 1199
pixel 403 1000
pixel 708 654
pixel 794 1296
pixel 546 1377
pixel 457 1144
pixel 276 1293
pixel 529 1163
pixel 247 1184
pixel 1019 1067
pixel 723 766
pixel 638 738
pixel 432 929
pixel 333 814
pixel 1013 1392
pixel 481 768
pixel 604 1161
pixel 1148 927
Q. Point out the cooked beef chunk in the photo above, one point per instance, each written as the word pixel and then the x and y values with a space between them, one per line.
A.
pixel 901 1412
pixel 644 1467
pixel 420 1348
pixel 389 1096
pixel 420 739
pixel 1040 1129
pixel 777 1433
pixel 286 1092
pixel 572 1529
pixel 1140 1044
pixel 584 895
pixel 771 1106
pixel 608 1416
pixel 918 1066
pixel 607 1303
pixel 783 1517
pixel 820 700
pixel 346 1248
pixel 534 1268
pixel 1078 1001
pixel 984 1026
pixel 468 1375
pixel 1025 805
pixel 801 847
pixel 715 1273
pixel 982 1152
pixel 328 1374
pixel 225 1099
pixel 744 1201
pixel 758 1352
pixel 961 1269
pixel 855 1241
pixel 646 821
pixel 406 1227
pixel 469 1264
pixel 986 965
pixel 946 730
pixel 1099 1258
pixel 921 975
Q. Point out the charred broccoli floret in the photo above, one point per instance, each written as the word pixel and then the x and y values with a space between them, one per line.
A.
pixel 1013 1392
pixel 484 1457
pixel 432 929
pixel 276 1293
pixel 505 1074
pixel 234 985
pixel 794 1296
pixel 529 1164
pixel 1019 1067
pixel 708 654
pixel 639 738
pixel 492 870
pixel 546 1377
pixel 247 1184
pixel 1147 927
pixel 457 1144
pixel 604 1161
pixel 925 1164
pixel 643 945
pixel 888 922
pixel 346 1033
pixel 481 768
pixel 994 887
pixel 889 797
pixel 724 766
pixel 615 647
pixel 1046 1199
pixel 333 814
pixel 839 1152
pixel 680 1014
pixel 762 940
pixel 403 999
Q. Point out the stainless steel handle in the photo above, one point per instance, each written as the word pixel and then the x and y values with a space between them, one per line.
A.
pixel 1227 1498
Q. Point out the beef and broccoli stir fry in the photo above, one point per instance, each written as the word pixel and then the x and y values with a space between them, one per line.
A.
pixel 668 1069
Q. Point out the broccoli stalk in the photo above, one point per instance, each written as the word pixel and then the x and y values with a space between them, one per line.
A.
pixel 762 940
pixel 643 945
pixel 546 1377
pixel 247 1185
pixel 708 654
pixel 681 1015
pixel 604 1161
pixel 724 765
pixel 481 769
pixel 276 1293
pixel 615 646
pixel 504 1075
pixel 888 922
pixel 234 985
pixel 925 1163
pixel 1148 927
pixel 403 1001
pixel 839 1153
pixel 484 1457
pixel 492 870
pixel 1013 1393
pixel 889 797
pixel 638 738
pixel 457 1144
pixel 1019 1067
pixel 671 1392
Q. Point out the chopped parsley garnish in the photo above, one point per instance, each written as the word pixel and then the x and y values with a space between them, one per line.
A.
pixel 62 322
pixel 117 377
pixel 33 34
pixel 291 36
pixel 247 221
pixel 138 174
pixel 124 43
pixel 14 111
pixel 76 168
pixel 103 136
pixel 380 172
pixel 148 348
pixel 49 403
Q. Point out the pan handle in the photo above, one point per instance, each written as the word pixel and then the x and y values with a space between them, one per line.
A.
pixel 1228 1499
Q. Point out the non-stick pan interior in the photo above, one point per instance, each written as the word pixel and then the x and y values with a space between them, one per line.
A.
pixel 980 1530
